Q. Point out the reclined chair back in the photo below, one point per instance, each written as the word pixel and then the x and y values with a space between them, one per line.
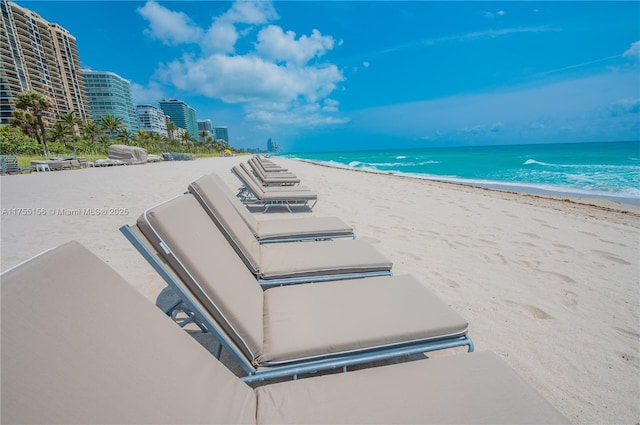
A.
pixel 228 220
pixel 198 252
pixel 206 183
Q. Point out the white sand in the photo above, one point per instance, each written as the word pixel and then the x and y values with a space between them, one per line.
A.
pixel 552 286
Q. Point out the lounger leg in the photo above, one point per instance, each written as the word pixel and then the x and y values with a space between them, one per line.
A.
pixel 218 351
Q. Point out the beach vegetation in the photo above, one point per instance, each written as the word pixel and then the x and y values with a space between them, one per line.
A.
pixel 35 104
pixel 32 131
pixel 71 136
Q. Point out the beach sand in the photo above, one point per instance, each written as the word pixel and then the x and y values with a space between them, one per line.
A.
pixel 551 285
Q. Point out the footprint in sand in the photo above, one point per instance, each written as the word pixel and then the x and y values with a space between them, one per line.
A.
pixel 627 333
pixel 569 300
pixel 534 311
pixel 610 257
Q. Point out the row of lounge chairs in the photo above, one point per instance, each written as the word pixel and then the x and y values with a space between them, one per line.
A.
pixel 266 184
pixel 117 360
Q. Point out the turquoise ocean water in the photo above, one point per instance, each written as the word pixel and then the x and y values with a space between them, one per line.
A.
pixel 600 170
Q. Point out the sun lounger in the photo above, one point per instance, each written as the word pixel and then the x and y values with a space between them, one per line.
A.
pixel 119 360
pixel 271 264
pixel 287 330
pixel 210 189
pixel 269 188
pixel 270 171
pixel 272 178
pixel 269 165
pixel 252 192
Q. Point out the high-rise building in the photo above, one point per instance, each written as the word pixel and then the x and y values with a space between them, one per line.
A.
pixel 152 119
pixel 206 126
pixel 221 132
pixel 110 94
pixel 181 114
pixel 39 55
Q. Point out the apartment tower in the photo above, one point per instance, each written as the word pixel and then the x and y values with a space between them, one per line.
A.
pixel 39 55
pixel 181 114
pixel 152 119
pixel 110 94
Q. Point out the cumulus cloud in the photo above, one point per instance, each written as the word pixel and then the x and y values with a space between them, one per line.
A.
pixel 170 27
pixel 276 45
pixel 146 95
pixel 280 78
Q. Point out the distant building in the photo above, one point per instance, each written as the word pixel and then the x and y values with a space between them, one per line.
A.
pixel 205 126
pixel 152 119
pixel 221 133
pixel 110 94
pixel 39 55
pixel 181 114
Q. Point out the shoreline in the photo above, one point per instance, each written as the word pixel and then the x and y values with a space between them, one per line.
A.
pixel 521 188
pixel 549 284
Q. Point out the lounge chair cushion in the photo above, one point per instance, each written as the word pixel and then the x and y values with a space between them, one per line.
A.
pixel 306 321
pixel 210 189
pixel 211 269
pixel 230 222
pixel 207 190
pixel 307 227
pixel 290 260
pixel 476 388
pixel 86 347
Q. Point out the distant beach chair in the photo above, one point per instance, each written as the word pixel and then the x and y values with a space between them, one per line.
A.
pixel 9 165
pixel 272 178
pixel 252 192
pixel 136 366
pixel 269 165
pixel 210 189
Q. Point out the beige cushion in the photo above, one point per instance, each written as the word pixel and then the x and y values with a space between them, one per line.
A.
pixel 303 227
pixel 210 189
pixel 476 388
pixel 305 321
pixel 202 189
pixel 202 257
pixel 220 211
pixel 80 345
pixel 320 258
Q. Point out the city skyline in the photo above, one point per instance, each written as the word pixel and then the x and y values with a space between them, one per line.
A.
pixel 361 75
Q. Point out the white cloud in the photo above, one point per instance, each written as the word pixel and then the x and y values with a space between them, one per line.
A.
pixel 493 14
pixel 276 82
pixel 146 95
pixel 254 13
pixel 220 38
pixel 633 51
pixel 170 27
pixel 366 64
pixel 249 78
pixel 274 44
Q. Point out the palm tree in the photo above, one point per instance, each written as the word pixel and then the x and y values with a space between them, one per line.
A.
pixel 125 136
pixel 171 127
pixel 71 120
pixel 37 104
pixel 185 137
pixel 91 129
pixel 112 124
pixel 25 121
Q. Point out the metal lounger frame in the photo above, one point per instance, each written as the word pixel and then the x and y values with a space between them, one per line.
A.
pixel 205 322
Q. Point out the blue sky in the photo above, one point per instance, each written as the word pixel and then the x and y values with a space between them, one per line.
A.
pixel 349 75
